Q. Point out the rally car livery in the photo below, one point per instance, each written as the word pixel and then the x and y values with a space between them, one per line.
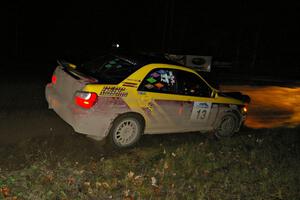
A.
pixel 123 97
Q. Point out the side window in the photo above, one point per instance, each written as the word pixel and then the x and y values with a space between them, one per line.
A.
pixel 192 85
pixel 109 69
pixel 159 80
pixel 116 69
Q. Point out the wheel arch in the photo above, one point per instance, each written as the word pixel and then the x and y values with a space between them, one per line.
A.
pixel 227 109
pixel 138 115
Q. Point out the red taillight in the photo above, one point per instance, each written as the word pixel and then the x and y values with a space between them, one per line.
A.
pixel 86 99
pixel 53 79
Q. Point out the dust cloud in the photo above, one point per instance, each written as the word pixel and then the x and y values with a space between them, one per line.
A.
pixel 271 106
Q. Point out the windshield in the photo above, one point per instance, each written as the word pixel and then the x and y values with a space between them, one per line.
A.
pixel 109 69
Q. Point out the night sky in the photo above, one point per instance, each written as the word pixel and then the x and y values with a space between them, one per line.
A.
pixel 255 37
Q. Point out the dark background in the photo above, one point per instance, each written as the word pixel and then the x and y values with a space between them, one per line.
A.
pixel 259 39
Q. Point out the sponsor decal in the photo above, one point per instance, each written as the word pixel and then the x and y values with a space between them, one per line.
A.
pixel 112 62
pixel 149 86
pixel 155 75
pixel 114 91
pixel 159 85
pixel 162 71
pixel 168 78
pixel 129 84
pixel 135 80
pixel 202 104
pixel 201 111
pixel 108 66
pixel 160 79
pixel 151 80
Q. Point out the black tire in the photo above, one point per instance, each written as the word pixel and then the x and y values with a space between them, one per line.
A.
pixel 227 125
pixel 126 130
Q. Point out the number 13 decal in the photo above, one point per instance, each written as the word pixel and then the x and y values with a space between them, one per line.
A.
pixel 201 114
pixel 200 111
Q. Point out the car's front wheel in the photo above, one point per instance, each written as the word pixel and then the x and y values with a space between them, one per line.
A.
pixel 227 125
pixel 126 130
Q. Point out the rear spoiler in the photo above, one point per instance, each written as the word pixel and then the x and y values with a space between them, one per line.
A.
pixel 65 64
pixel 70 69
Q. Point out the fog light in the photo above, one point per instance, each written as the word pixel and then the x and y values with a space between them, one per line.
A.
pixel 244 110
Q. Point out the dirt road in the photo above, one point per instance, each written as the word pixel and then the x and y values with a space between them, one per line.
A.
pixel 24 112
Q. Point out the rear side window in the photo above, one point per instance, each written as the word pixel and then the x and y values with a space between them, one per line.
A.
pixel 160 80
pixel 174 81
pixel 109 69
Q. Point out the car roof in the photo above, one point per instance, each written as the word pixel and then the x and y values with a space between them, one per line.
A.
pixel 142 59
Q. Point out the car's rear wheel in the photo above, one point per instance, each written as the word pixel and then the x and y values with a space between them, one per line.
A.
pixel 227 125
pixel 126 130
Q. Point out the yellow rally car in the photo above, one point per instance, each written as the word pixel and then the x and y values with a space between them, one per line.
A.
pixel 123 97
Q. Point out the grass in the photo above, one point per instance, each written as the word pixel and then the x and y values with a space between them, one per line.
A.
pixel 255 164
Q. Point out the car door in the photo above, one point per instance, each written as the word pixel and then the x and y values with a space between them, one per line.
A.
pixel 201 108
pixel 165 109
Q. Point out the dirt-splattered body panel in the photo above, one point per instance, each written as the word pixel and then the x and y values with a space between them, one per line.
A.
pixel 163 111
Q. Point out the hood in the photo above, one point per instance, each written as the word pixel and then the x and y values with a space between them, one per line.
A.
pixel 236 95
